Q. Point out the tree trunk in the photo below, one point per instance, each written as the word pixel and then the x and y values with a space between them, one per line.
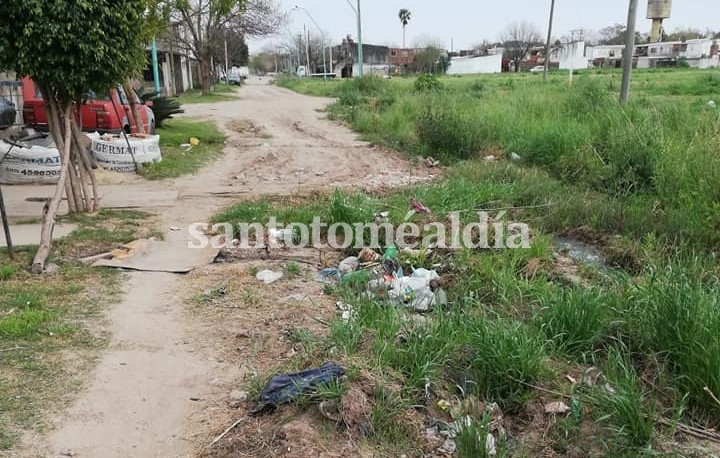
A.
pixel 205 76
pixel 83 151
pixel 52 205
pixel 77 179
pixel 130 93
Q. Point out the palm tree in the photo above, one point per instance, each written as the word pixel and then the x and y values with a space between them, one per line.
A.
pixel 404 16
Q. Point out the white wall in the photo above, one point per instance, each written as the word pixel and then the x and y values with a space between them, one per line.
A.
pixel 572 55
pixel 475 65
pixel 604 51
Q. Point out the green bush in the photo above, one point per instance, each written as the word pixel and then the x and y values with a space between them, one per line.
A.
pixel 427 83
pixel 163 107
pixel 446 131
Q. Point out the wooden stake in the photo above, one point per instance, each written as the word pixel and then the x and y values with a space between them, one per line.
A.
pixel 224 433
pixel 712 395
pixel 6 227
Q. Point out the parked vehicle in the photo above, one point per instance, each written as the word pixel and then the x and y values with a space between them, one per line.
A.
pixel 537 69
pixel 7 113
pixel 303 71
pixel 100 112
pixel 237 75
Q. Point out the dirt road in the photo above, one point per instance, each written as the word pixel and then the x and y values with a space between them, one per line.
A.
pixel 144 398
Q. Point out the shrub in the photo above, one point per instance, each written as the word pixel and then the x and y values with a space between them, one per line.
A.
pixel 446 131
pixel 427 83
pixel 163 107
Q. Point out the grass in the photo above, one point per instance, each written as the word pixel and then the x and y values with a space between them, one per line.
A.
pixel 638 183
pixel 218 93
pixel 178 160
pixel 46 346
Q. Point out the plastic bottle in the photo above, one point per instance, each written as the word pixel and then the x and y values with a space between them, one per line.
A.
pixel 391 252
pixel 357 277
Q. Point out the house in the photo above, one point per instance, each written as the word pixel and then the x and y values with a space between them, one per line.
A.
pixel 401 57
pixel 375 59
pixel 605 55
pixel 698 53
pixel 178 71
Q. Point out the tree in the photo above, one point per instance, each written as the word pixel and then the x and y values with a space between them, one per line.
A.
pixel 682 34
pixel 237 49
pixel 69 48
pixel 431 60
pixel 613 35
pixel 205 23
pixel 404 15
pixel 518 39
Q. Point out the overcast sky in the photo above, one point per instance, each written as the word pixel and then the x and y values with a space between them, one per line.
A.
pixel 470 21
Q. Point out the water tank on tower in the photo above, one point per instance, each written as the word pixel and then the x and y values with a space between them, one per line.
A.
pixel 657 11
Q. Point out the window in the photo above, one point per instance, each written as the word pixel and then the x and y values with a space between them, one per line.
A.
pixel 404 53
pixel 393 53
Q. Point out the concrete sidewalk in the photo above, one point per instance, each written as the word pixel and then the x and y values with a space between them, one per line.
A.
pixel 144 196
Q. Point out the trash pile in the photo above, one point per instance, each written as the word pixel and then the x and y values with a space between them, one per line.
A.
pixel 383 277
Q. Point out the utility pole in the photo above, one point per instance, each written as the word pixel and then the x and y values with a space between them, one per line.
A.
pixel 360 45
pixel 629 50
pixel 359 37
pixel 299 52
pixel 307 51
pixel 227 69
pixel 547 43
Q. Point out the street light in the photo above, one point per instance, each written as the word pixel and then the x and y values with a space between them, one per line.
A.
pixel 359 32
pixel 322 38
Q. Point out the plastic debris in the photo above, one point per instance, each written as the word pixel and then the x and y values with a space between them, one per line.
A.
pixel 431 162
pixel 556 407
pixel 194 141
pixel 348 265
pixel 268 276
pixel 515 156
pixel 418 206
pixel 329 275
pixel 381 217
pixel 417 290
pixel 356 278
pixel 346 309
pixel 368 255
pixel 391 252
pixel 286 388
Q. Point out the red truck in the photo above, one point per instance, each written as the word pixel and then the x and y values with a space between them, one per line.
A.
pixel 108 112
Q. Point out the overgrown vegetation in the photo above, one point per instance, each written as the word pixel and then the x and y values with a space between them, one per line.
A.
pixel 42 319
pixel 632 346
pixel 180 160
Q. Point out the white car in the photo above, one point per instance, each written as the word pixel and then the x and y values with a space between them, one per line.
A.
pixel 537 69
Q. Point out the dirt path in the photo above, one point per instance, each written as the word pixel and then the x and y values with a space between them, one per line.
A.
pixel 146 394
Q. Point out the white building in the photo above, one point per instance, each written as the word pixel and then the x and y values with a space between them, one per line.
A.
pixel 570 56
pixel 470 65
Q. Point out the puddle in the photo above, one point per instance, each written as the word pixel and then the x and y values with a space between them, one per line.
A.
pixel 580 251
